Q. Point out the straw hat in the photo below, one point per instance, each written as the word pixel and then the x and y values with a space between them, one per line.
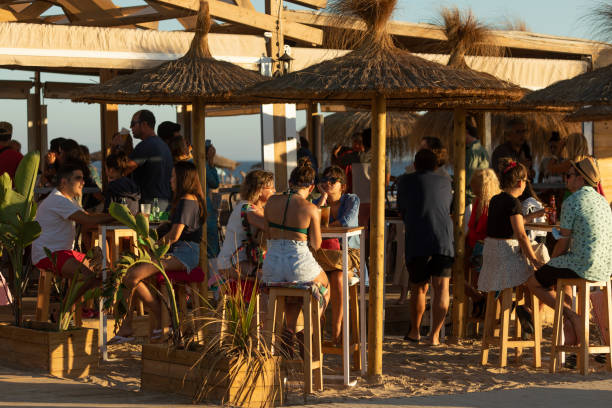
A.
pixel 589 170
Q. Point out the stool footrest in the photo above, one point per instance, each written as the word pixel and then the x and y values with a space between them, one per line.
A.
pixel 338 350
pixel 577 349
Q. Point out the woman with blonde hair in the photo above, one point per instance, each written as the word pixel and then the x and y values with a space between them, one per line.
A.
pixel 242 253
pixel 485 185
pixel 577 148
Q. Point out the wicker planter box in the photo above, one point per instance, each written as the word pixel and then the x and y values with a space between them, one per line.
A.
pixel 72 354
pixel 170 371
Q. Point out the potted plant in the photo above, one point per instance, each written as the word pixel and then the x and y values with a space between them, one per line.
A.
pixel 63 353
pixel 232 366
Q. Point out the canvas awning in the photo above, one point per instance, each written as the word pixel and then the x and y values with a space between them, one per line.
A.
pixel 93 48
pixel 51 46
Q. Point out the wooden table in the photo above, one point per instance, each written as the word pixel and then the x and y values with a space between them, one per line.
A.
pixel 344 233
pixel 540 226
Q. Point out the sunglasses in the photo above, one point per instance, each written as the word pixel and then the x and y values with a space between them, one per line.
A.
pixel 330 180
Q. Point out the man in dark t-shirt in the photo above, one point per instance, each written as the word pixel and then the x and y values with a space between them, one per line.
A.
pixel 151 161
pixel 424 200
pixel 9 157
pixel 515 147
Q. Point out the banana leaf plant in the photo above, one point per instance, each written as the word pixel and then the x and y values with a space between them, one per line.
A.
pixel 150 251
pixel 71 293
pixel 18 227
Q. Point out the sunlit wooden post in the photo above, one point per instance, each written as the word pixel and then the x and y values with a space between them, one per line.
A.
pixel 198 134
pixel 377 238
pixel 458 223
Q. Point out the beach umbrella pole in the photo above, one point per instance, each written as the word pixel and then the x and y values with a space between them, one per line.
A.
pixel 199 156
pixel 458 312
pixel 377 239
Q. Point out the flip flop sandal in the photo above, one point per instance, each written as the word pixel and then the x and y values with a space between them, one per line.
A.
pixel 411 340
pixel 120 340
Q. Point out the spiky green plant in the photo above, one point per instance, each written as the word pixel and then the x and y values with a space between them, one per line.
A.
pixel 234 335
pixel 18 227
pixel 150 251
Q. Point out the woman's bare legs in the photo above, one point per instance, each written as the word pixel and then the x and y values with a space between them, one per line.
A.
pixel 134 282
pixel 335 282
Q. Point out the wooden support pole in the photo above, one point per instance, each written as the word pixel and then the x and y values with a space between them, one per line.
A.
pixel 183 118
pixel 281 176
pixel 313 131
pixel 483 123
pixel 458 222
pixel 311 110
pixel 198 132
pixel 109 122
pixel 276 43
pixel 35 141
pixel 377 238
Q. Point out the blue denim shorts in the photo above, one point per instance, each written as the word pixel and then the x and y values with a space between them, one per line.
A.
pixel 289 261
pixel 187 252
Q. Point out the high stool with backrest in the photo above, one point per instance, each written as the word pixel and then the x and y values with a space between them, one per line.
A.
pixel 313 356
pixel 354 343
pixel 45 281
pixel 504 339
pixel 584 311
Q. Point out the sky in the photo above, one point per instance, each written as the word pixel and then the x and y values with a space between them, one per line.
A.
pixel 239 137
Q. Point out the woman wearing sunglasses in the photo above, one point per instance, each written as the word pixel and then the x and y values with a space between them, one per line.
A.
pixel 344 212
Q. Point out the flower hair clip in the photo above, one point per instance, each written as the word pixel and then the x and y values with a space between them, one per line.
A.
pixel 510 166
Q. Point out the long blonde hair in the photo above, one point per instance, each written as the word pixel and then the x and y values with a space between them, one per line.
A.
pixel 577 147
pixel 488 182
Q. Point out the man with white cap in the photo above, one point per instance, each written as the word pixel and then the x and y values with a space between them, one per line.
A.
pixel 584 249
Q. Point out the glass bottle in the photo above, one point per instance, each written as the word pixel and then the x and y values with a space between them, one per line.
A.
pixel 155 210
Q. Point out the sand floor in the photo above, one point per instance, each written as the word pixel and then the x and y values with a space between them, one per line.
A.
pixel 408 370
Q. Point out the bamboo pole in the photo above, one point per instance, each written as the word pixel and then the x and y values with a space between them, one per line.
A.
pixel 458 222
pixel 198 134
pixel 377 237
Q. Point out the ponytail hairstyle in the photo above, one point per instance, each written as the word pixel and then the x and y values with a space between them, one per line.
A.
pixel 302 176
pixel 511 172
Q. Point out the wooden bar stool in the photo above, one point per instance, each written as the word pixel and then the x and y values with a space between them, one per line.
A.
pixel 504 339
pixel 313 356
pixel 182 283
pixel 45 281
pixel 584 311
pixel 354 343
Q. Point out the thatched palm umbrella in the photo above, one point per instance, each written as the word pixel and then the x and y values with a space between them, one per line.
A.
pixel 440 124
pixel 196 78
pixel 376 73
pixel 591 114
pixel 591 88
pixel 339 128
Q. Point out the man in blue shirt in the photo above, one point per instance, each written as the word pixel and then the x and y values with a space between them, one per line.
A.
pixel 151 161
pixel 424 200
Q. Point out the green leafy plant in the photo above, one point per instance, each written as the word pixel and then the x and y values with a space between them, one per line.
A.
pixel 70 297
pixel 150 251
pixel 234 335
pixel 18 227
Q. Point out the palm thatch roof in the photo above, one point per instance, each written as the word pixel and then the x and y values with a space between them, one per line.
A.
pixel 465 35
pixel 590 88
pixel 540 125
pixel 591 113
pixel 377 67
pixel 339 128
pixel 196 74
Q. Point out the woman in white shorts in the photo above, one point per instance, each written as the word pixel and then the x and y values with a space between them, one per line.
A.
pixel 293 223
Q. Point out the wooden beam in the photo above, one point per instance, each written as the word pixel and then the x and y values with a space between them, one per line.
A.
pixel 241 15
pixel 15 89
pixel 7 15
pixel 507 39
pixel 314 4
pixel 34 10
pixel 377 238
pixel 459 303
pixel 62 90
